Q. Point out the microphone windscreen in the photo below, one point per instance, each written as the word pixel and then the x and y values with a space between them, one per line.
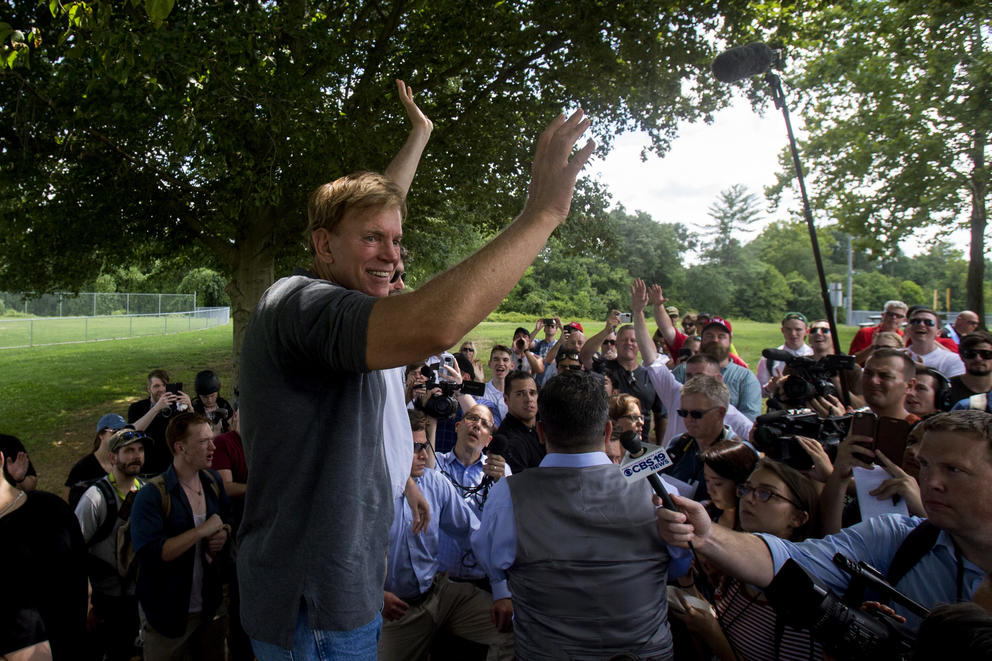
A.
pixel 777 354
pixel 630 441
pixel 743 62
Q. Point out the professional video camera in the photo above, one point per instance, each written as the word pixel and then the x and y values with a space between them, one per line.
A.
pixel 807 377
pixel 443 404
pixel 775 434
pixel 844 630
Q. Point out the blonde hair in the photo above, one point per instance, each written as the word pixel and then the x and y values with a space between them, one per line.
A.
pixel 328 203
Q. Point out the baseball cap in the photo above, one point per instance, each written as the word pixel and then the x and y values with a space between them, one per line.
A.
pixel 671 309
pixel 720 321
pixel 795 315
pixel 575 326
pixel 125 437
pixel 521 331
pixel 110 421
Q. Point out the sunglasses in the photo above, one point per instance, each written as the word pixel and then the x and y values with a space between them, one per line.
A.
pixel 763 494
pixel 930 323
pixel 819 329
pixel 971 354
pixel 468 350
pixel 610 342
pixel 132 435
pixel 419 447
pixel 399 275
pixel 695 414
pixel 634 417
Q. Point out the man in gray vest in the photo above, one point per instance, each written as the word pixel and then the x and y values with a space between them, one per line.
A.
pixel 584 561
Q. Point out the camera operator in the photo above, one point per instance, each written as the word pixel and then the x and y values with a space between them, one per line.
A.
pixel 888 376
pixel 210 404
pixel 794 330
pixel 573 339
pixel 153 415
pixel 542 347
pixel 444 428
pixel 524 359
pixel 950 553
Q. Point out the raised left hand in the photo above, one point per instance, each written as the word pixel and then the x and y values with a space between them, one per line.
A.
pixel 418 120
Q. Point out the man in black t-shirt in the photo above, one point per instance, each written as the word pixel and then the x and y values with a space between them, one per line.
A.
pixel 153 415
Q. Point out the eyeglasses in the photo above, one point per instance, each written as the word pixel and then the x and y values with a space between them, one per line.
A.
pixel 475 417
pixel 419 447
pixel 930 323
pixel 611 342
pixel 397 276
pixel 816 330
pixel 764 494
pixel 971 354
pixel 468 350
pixel 634 417
pixel 695 414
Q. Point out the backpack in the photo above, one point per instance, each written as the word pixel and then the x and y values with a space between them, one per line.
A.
pixel 76 492
pixel 126 559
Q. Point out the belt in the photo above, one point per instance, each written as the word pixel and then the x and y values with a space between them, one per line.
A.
pixel 481 583
pixel 423 596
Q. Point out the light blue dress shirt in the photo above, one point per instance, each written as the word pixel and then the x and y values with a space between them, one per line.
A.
pixel 932 580
pixel 495 542
pixel 413 558
pixel 453 557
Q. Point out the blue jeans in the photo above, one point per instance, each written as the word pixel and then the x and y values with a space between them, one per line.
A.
pixel 316 645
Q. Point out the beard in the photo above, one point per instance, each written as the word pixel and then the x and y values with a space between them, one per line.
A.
pixel 982 371
pixel 715 349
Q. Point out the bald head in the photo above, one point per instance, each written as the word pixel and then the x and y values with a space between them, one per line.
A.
pixel 967 322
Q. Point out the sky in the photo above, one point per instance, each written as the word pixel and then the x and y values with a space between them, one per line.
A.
pixel 739 147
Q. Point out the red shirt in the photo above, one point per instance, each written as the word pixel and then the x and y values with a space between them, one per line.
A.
pixel 230 455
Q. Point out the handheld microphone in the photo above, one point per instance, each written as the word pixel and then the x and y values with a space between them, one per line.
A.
pixel 632 444
pixel 496 446
pixel 744 61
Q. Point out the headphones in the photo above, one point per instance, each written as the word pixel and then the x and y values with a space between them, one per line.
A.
pixel 942 389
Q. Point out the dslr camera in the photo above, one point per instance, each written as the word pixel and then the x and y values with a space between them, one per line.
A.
pixel 174 407
pixel 775 435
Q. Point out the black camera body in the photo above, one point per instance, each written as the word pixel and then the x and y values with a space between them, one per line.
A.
pixel 775 432
pixel 443 404
pixel 809 377
pixel 845 631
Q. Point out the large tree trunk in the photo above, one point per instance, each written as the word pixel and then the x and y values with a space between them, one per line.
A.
pixel 979 219
pixel 252 271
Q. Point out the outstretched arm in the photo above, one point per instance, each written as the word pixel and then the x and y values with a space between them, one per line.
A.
pixel 404 165
pixel 639 299
pixel 592 345
pixel 474 288
pixel 668 331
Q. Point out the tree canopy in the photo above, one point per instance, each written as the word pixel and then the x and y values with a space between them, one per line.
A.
pixel 895 98
pixel 141 129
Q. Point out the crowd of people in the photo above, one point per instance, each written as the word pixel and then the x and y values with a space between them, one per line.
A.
pixel 371 495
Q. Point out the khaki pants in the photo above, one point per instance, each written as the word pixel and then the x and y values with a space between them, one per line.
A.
pixel 203 640
pixel 461 607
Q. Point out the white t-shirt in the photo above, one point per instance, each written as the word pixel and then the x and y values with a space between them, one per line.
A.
pixel 397 439
pixel 946 362
pixel 764 375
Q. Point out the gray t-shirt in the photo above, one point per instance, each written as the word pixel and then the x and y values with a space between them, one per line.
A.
pixel 318 507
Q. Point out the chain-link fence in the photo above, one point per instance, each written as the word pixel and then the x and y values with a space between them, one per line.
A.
pixel 35 331
pixel 93 304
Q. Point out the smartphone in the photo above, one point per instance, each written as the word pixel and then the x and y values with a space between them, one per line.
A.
pixel 684 352
pixel 550 323
pixel 174 388
pixel 863 424
pixel 625 317
pixel 890 438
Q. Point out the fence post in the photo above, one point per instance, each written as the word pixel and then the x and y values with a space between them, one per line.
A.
pixel 86 328
pixel 160 306
pixel 127 303
pixel 31 333
pixel 94 303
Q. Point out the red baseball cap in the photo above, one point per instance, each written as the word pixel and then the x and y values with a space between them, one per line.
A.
pixel 575 326
pixel 720 321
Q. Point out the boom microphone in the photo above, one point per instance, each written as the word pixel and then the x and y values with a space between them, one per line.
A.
pixel 777 354
pixel 744 61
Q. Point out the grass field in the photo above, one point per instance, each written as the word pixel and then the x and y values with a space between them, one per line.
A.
pixel 51 397
pixel 23 332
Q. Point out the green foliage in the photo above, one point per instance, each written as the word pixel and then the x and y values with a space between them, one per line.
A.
pixel 208 285
pixel 896 107
pixel 708 288
pixel 733 212
pixel 761 292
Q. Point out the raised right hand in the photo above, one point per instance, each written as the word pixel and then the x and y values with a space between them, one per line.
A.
pixel 553 173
